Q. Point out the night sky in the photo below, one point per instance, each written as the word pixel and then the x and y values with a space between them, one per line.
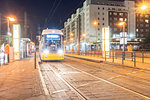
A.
pixel 46 13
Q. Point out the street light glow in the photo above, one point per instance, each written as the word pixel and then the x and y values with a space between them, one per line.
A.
pixel 84 35
pixel 95 23
pixel 11 19
pixel 121 23
pixel 71 39
pixel 143 7
pixel 71 34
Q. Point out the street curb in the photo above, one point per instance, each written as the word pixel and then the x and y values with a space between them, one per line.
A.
pixel 43 82
pixel 101 61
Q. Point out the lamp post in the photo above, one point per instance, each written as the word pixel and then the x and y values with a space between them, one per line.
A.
pixel 84 35
pixel 123 27
pixel 8 21
pixel 8 28
pixel 95 23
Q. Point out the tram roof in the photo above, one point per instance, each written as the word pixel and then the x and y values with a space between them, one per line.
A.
pixel 52 31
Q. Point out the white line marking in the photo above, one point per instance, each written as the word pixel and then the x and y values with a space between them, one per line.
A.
pixel 58 91
pixel 111 83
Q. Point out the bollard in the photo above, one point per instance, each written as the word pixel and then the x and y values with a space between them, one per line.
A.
pixel 132 55
pixel 35 59
pixel 122 57
pixel 142 57
pixel 113 55
pixel 134 59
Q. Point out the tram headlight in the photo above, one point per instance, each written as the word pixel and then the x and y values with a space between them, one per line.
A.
pixel 60 52
pixel 46 51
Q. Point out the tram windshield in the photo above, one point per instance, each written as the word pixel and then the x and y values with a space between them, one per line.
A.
pixel 53 42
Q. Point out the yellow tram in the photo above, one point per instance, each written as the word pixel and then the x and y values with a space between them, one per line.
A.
pixel 51 45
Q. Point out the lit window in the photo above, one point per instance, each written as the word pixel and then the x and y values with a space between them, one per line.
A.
pixel 121 19
pixel 125 19
pixel 121 14
pixel 146 20
pixel 110 13
pixel 115 13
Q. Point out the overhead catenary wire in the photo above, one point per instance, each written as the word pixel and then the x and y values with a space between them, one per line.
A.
pixel 50 11
pixel 75 7
pixel 49 19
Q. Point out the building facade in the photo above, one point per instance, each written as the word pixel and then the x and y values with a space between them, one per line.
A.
pixel 107 14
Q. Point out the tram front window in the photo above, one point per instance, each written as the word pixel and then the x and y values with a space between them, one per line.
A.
pixel 53 43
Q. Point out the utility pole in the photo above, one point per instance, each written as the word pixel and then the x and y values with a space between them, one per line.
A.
pixel 25 25
pixel 0 23
pixel 0 29
pixel 79 34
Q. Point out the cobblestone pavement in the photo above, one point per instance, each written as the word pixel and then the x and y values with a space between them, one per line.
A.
pixel 20 81
pixel 95 81
pixel 57 89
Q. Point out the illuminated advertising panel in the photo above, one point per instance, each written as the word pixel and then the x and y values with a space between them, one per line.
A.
pixel 16 41
pixel 106 41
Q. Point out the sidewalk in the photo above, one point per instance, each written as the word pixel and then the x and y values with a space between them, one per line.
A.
pixel 20 81
pixel 128 63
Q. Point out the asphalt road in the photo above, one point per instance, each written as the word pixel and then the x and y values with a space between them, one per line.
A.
pixel 76 79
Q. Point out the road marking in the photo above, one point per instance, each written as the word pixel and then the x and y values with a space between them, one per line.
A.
pixel 132 91
pixel 58 91
pixel 115 77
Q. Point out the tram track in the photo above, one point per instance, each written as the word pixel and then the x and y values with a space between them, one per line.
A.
pixel 78 92
pixel 95 67
pixel 109 82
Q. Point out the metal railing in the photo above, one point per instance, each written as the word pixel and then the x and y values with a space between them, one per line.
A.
pixel 112 55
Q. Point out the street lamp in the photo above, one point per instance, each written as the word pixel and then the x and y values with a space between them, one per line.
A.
pixel 9 19
pixel 95 23
pixel 143 7
pixel 84 37
pixel 71 34
pixel 123 26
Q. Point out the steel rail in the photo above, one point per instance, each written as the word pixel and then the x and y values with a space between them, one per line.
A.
pixel 78 92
